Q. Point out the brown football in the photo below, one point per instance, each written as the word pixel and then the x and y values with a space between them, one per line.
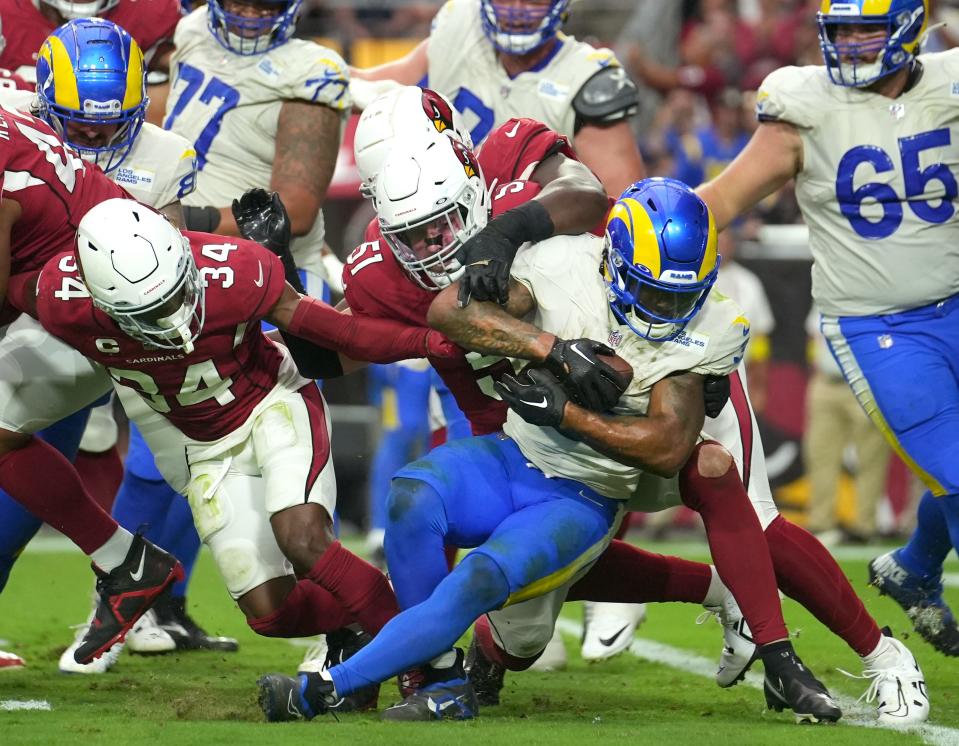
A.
pixel 624 370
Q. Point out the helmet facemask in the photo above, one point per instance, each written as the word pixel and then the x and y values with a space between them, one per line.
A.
pixel 174 320
pixel 653 309
pixel 521 30
pixel 251 35
pixel 860 64
pixel 427 248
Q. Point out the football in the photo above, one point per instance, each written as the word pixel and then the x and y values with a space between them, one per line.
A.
pixel 624 371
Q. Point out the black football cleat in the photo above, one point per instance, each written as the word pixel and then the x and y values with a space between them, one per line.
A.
pixel 790 685
pixel 446 694
pixel 125 593
pixel 284 698
pixel 172 618
pixel 485 675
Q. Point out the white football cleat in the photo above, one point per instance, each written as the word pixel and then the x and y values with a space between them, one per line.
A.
pixel 104 663
pixel 739 650
pixel 148 638
pixel 898 686
pixel 553 657
pixel 314 660
pixel 10 661
pixel 609 628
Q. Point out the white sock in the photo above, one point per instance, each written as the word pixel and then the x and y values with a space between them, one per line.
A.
pixel 445 660
pixel 114 551
pixel 716 591
pixel 882 647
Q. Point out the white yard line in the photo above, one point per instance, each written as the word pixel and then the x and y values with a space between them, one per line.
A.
pixel 9 705
pixel 854 713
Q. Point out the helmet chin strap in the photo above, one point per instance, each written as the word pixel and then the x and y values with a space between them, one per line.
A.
pixel 179 324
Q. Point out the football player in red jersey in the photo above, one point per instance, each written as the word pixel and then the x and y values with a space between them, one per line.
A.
pixel 25 24
pixel 174 319
pixel 45 191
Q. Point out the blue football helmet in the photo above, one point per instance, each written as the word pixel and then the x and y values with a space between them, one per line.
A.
pixel 249 35
pixel 91 72
pixel 903 21
pixel 660 260
pixel 520 30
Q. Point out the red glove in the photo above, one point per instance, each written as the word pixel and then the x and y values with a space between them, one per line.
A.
pixel 363 338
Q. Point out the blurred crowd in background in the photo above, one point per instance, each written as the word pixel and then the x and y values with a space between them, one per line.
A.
pixel 698 64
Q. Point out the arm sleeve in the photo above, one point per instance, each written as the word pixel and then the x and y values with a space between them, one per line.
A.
pixel 361 338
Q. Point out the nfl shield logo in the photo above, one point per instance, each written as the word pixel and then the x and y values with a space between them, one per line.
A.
pixel 615 338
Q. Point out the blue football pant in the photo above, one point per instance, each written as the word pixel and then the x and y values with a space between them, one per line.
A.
pixel 532 535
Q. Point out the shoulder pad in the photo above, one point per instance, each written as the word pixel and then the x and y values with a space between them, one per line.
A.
pixel 606 97
pixel 795 95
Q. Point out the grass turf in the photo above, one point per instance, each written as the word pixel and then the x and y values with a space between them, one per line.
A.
pixel 205 698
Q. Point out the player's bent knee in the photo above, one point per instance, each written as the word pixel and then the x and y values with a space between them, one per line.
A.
pixel 483 581
pixel 265 607
pixel 303 534
pixel 411 503
pixel 712 460
pixel 12 441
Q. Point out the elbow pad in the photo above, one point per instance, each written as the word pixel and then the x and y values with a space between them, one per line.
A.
pixel 609 96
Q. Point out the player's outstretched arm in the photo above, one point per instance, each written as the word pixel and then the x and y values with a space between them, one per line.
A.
pixel 772 157
pixel 491 329
pixel 360 338
pixel 407 70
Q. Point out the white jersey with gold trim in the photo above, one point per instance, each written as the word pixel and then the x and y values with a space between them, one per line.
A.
pixel 463 66
pixel 228 105
pixel 159 170
pixel 563 274
pixel 878 185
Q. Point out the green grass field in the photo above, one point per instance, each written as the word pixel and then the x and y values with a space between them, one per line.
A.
pixel 205 698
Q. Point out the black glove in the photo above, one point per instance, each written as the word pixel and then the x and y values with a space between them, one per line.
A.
pixel 715 394
pixel 489 254
pixel 261 217
pixel 540 402
pixel 588 380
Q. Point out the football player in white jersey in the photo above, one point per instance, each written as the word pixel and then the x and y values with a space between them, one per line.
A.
pixel 499 59
pixel 263 110
pixel 869 140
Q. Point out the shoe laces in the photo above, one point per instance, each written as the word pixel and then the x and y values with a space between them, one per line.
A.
pixel 876 677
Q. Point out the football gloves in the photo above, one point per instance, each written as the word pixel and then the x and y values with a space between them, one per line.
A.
pixel 715 394
pixel 541 402
pixel 488 256
pixel 261 217
pixel 589 381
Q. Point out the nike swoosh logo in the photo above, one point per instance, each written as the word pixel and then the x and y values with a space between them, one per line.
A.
pixel 139 573
pixel 575 348
pixel 290 707
pixel 259 282
pixel 541 404
pixel 608 641
pixel 512 132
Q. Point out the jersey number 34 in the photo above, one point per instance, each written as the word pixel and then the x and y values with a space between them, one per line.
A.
pixel 936 209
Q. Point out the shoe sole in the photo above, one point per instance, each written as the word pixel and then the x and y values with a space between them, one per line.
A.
pixel 742 674
pixel 175 575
